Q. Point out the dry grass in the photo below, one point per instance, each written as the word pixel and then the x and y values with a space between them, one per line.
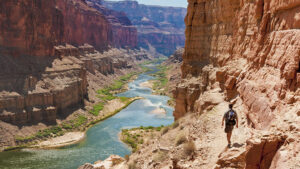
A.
pixel 175 124
pixel 132 165
pixel 189 148
pixel 180 138
pixel 160 156
pixel 164 130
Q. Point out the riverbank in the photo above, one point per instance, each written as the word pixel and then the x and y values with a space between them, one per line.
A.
pixel 80 120
pixel 110 109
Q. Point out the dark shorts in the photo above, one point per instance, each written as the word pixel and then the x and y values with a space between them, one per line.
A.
pixel 228 128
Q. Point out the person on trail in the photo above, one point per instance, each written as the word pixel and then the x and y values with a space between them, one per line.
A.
pixel 231 119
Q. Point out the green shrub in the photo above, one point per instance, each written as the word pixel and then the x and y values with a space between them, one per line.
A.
pixel 56 130
pixel 108 98
pixel 97 108
pixel 124 99
pixel 67 126
pixel 79 121
pixel 131 142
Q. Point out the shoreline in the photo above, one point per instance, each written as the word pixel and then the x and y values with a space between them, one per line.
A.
pixel 71 138
pixel 75 137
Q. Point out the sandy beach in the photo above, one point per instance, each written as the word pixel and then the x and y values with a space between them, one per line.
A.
pixel 67 139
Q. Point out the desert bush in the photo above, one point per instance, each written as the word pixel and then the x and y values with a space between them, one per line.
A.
pixel 189 148
pixel 160 156
pixel 180 139
pixel 181 127
pixel 132 165
pixel 175 124
pixel 164 130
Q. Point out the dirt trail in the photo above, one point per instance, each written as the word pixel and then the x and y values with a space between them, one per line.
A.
pixel 210 139
pixel 208 135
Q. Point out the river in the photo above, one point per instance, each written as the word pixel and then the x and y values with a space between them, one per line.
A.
pixel 102 139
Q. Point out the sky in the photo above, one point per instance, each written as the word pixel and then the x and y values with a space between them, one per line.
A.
pixel 175 3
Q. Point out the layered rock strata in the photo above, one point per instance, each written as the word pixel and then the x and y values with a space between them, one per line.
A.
pixel 124 34
pixel 160 29
pixel 247 53
pixel 67 84
pixel 35 27
pixel 62 85
pixel 250 50
pixel 39 78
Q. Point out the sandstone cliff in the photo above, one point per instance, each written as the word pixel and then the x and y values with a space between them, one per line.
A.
pixel 159 28
pixel 35 27
pixel 28 103
pixel 250 49
pixel 246 52
pixel 42 77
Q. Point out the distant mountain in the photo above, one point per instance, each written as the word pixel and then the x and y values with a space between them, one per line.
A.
pixel 159 28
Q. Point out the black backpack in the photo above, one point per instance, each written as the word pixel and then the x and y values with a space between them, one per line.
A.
pixel 230 117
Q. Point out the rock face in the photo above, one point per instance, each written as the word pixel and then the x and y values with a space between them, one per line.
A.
pixel 41 97
pixel 35 27
pixel 250 49
pixel 32 101
pixel 173 73
pixel 255 58
pixel 41 77
pixel 113 162
pixel 159 28
pixel 122 32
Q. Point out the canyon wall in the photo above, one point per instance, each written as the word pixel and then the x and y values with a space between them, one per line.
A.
pixel 41 78
pixel 159 28
pixel 254 47
pixel 251 51
pixel 34 27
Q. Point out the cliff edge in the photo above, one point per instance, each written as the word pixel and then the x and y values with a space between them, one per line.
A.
pixel 245 52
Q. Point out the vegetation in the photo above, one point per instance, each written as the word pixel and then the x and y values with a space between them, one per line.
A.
pixel 160 84
pixel 132 165
pixel 189 148
pixel 111 114
pixel 80 122
pixel 175 124
pixel 107 93
pixel 133 138
pixel 180 139
pixel 165 130
pixel 160 156
pixel 97 108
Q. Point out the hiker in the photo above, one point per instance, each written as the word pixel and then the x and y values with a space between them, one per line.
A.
pixel 231 119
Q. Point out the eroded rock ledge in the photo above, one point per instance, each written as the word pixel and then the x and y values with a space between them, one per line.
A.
pixel 65 84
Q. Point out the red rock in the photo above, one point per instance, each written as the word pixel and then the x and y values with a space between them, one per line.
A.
pixel 51 23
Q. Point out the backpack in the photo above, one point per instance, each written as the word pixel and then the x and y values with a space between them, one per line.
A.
pixel 230 117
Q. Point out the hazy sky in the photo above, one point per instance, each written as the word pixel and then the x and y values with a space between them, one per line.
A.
pixel 177 3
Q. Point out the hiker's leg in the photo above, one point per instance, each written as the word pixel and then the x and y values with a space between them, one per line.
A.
pixel 228 137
